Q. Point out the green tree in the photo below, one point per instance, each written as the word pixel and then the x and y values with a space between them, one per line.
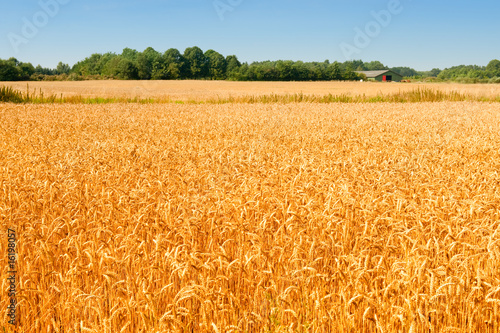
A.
pixel 312 73
pixel 284 70
pixel 232 67
pixel 175 65
pixel 320 70
pixel 334 72
pixel 158 71
pixel 9 71
pixel 349 74
pixel 444 75
pixel 26 69
pixel 145 61
pixel 126 70
pixel 89 66
pixel 197 62
pixel 353 64
pixel 62 68
pixel 476 74
pixel 13 61
pixel 300 71
pixel 103 62
pixel 493 68
pixel 405 71
pixel 435 72
pixel 216 65
pixel 111 67
pixel 239 73
pixel 267 71
pixel 361 76
pixel 130 54
pixel 374 66
pixel 463 73
pixel 44 71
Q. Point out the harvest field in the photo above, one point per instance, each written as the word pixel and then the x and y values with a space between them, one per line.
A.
pixel 192 90
pixel 299 217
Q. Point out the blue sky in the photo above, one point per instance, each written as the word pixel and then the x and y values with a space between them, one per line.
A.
pixel 421 34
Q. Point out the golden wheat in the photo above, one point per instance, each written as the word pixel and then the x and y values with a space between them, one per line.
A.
pixel 252 217
pixel 189 90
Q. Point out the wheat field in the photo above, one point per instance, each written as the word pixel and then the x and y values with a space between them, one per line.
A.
pixel 252 217
pixel 192 90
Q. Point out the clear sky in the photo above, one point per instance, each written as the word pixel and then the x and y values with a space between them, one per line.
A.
pixel 422 34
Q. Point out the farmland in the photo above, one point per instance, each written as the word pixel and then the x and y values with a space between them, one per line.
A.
pixel 263 217
pixel 192 90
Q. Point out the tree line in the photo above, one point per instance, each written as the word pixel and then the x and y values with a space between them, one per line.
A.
pixel 193 63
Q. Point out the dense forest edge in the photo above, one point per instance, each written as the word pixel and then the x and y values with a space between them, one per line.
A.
pixel 211 65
